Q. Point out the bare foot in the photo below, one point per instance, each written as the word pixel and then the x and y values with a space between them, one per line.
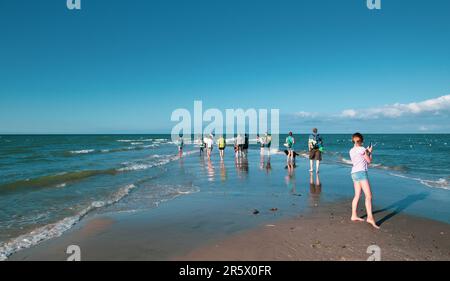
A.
pixel 317 171
pixel 372 222
pixel 354 218
pixel 310 170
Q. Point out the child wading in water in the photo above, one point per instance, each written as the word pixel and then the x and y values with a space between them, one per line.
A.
pixel 361 158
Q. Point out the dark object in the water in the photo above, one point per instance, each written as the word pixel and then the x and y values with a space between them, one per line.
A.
pixel 287 152
pixel 255 212
pixel 274 209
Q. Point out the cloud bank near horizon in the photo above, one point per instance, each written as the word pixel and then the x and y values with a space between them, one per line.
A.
pixel 434 106
pixel 430 115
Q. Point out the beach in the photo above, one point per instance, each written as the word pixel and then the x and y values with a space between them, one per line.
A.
pixel 253 209
pixel 327 234
pixel 324 233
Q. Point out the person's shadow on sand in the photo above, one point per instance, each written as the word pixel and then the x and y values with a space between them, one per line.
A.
pixel 400 206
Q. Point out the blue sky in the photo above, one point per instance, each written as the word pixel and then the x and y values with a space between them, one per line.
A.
pixel 124 66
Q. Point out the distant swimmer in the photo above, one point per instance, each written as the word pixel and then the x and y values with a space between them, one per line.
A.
pixel 361 158
pixel 221 143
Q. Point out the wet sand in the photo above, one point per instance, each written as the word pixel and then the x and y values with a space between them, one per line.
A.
pixel 328 234
pixel 323 233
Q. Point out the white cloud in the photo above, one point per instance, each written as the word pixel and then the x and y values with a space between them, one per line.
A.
pixel 304 114
pixel 433 106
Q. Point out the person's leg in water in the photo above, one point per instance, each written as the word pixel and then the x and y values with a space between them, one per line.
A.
pixel 357 185
pixel 311 165
pixel 368 200
pixel 317 166
pixel 221 154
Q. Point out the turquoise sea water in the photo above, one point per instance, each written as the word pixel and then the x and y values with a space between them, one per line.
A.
pixel 49 183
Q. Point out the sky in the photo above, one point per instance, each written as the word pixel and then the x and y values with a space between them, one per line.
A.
pixel 123 66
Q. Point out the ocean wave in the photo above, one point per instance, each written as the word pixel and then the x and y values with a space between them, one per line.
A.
pixel 135 146
pixel 346 161
pixel 439 183
pixel 140 140
pixel 57 229
pixel 135 167
pixel 54 180
pixel 151 195
pixel 150 145
pixel 162 160
pixel 57 180
pixel 83 151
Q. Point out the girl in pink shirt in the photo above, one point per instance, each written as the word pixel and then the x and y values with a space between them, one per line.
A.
pixel 361 158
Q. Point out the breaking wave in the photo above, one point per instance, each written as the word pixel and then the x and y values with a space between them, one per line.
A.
pixel 54 230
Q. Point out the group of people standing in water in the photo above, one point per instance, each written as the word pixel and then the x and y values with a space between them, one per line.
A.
pixel 360 156
pixel 241 145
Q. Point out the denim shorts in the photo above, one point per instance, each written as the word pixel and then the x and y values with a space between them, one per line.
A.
pixel 360 176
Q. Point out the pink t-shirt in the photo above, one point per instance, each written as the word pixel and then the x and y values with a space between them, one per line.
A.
pixel 358 160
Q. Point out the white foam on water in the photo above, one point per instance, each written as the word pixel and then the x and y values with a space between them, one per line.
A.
pixel 57 229
pixel 439 183
pixel 163 160
pixel 346 161
pixel 136 140
pixel 372 165
pixel 135 167
pixel 150 145
pixel 83 151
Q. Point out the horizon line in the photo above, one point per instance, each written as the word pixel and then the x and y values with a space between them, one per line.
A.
pixel 112 134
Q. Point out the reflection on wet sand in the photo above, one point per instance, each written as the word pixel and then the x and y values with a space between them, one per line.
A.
pixel 263 164
pixel 181 163
pixel 290 177
pixel 241 165
pixel 223 171
pixel 210 169
pixel 315 189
